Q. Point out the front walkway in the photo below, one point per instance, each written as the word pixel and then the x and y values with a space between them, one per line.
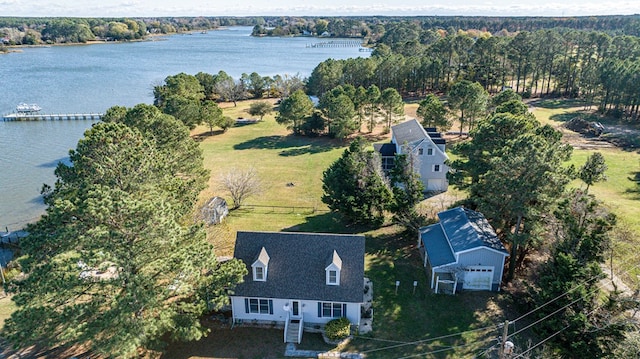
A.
pixel 292 351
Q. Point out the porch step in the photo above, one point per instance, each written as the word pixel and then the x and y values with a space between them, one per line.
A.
pixel 293 331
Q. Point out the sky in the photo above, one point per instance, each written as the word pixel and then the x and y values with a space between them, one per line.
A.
pixel 157 8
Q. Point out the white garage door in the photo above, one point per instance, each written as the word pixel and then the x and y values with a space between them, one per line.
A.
pixel 478 277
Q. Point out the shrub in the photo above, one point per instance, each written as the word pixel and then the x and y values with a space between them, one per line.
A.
pixel 337 329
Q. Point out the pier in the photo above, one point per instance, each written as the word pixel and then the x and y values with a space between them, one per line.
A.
pixel 339 43
pixel 18 116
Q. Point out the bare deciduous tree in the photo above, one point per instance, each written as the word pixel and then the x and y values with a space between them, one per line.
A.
pixel 241 184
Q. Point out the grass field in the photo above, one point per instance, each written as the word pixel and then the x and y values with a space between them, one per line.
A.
pixel 620 192
pixel 281 158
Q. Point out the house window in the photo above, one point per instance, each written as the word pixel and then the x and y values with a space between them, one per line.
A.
pixel 332 310
pixel 387 163
pixel 420 151
pixel 258 306
pixel 258 273
pixel 333 277
pixel 436 168
pixel 429 151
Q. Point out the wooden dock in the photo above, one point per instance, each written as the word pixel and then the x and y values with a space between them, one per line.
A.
pixel 17 116
pixel 338 43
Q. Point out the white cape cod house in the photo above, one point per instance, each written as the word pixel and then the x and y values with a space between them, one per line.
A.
pixel 462 250
pixel 299 280
pixel 425 146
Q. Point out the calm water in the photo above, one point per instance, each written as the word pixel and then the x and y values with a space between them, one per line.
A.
pixel 92 78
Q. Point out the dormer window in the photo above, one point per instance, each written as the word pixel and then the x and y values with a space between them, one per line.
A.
pixel 260 266
pixel 258 273
pixel 333 269
pixel 333 277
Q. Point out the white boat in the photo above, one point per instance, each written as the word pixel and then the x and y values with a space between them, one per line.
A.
pixel 28 107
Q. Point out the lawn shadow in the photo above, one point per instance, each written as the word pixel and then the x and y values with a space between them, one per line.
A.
pixel 204 135
pixel 568 116
pixel 635 178
pixel 328 222
pixel 289 145
pixel 224 342
pixel 556 103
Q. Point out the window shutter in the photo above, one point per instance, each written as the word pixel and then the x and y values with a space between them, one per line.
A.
pixel 319 310
pixel 344 310
pixel 270 306
pixel 246 305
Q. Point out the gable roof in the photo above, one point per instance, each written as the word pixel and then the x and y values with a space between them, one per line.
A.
pixel 412 132
pixel 467 229
pixel 297 265
pixel 409 132
pixel 436 245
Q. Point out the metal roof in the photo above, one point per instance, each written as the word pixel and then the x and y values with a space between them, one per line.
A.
pixel 436 245
pixel 467 229
pixel 297 265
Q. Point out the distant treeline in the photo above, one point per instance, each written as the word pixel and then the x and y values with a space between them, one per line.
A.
pixel 601 69
pixel 374 26
pixel 34 30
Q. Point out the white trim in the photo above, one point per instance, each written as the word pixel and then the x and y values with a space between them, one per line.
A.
pixel 483 247
pixel 433 168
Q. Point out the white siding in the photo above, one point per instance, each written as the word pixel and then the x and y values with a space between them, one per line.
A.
pixel 308 310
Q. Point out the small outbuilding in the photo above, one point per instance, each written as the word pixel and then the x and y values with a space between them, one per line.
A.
pixel 462 251
pixel 215 210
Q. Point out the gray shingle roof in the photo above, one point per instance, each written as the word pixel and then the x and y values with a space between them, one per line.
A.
pixel 386 149
pixel 409 132
pixel 468 229
pixel 436 245
pixel 297 265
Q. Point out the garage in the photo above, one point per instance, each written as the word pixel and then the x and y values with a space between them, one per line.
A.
pixel 478 277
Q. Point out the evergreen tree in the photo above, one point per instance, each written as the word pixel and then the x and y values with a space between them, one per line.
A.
pixel 408 191
pixel 110 265
pixel 593 170
pixel 586 325
pixel 293 110
pixel 355 186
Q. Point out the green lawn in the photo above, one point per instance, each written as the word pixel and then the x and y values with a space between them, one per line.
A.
pixel 6 308
pixel 290 168
pixel 281 158
pixel 620 193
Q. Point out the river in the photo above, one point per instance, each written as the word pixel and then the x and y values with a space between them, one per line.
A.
pixel 92 78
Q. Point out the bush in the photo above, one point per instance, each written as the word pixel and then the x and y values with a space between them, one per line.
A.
pixel 337 329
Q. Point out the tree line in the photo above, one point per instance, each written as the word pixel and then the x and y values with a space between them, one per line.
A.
pixel 35 31
pixel 593 66
pixel 515 172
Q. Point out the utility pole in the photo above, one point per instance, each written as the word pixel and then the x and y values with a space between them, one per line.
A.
pixel 505 333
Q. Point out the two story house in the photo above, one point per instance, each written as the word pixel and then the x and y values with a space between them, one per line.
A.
pixel 426 148
pixel 299 280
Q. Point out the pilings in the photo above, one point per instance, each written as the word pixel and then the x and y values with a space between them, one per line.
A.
pixel 51 117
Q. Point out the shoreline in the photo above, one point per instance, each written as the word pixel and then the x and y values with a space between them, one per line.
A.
pixel 148 37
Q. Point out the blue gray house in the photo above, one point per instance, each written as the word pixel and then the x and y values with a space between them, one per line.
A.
pixel 426 148
pixel 462 250
pixel 299 280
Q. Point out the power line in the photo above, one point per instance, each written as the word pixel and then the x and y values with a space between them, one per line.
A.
pixel 441 350
pixel 429 339
pixel 541 342
pixel 568 292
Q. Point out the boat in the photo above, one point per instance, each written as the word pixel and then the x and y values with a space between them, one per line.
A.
pixel 28 107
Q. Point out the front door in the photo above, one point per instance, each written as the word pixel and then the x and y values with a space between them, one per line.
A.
pixel 295 308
